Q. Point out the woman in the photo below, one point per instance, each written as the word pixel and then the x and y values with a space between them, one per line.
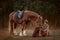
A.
pixel 45 28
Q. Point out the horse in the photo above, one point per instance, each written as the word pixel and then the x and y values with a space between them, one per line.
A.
pixel 28 16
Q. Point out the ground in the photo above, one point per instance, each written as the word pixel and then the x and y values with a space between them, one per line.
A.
pixel 4 35
pixel 54 35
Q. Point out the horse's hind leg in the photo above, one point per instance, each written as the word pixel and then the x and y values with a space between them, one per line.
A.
pixel 14 29
pixel 9 27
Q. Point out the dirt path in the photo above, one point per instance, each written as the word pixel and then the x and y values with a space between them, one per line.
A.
pixel 55 35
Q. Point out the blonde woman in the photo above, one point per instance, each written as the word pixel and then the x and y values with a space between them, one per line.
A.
pixel 45 28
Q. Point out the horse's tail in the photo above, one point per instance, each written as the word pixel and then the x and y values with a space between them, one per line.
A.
pixel 9 22
pixel 9 27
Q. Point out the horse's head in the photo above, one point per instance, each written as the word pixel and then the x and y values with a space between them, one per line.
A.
pixel 40 21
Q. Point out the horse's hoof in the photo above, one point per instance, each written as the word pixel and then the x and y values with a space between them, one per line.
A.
pixel 20 34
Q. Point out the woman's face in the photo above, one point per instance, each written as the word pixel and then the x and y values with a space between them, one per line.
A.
pixel 44 22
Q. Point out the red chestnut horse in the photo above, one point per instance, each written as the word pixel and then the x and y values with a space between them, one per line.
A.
pixel 28 16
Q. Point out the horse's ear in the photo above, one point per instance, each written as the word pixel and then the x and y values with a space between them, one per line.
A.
pixel 40 17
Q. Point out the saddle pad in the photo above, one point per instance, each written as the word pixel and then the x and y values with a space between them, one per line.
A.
pixel 19 14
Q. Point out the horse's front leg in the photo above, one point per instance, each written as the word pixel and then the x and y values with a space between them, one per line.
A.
pixel 37 29
pixel 23 33
pixel 24 30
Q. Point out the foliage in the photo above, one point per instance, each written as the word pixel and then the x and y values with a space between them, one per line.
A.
pixel 35 5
